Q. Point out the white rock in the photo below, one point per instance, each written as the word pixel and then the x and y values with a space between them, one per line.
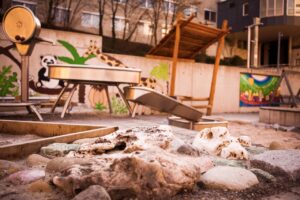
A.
pixel 232 178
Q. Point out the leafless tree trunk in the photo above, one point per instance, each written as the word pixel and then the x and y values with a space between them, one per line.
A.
pixel 132 13
pixel 114 8
pixel 155 18
pixel 52 4
pixel 101 9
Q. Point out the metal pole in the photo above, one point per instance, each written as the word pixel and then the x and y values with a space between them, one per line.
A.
pixel 249 47
pixel 278 49
pixel 256 21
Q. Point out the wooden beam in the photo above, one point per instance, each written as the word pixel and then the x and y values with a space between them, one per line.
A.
pixel 172 32
pixel 169 58
pixel 222 34
pixel 202 106
pixel 216 69
pixel 175 58
pixel 186 98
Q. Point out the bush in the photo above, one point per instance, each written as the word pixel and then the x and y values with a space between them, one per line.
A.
pixel 8 82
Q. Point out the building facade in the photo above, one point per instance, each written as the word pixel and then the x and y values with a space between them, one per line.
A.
pixel 145 21
pixel 280 21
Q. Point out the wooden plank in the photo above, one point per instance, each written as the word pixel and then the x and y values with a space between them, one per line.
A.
pixel 186 98
pixel 174 64
pixel 201 106
pixel 22 149
pixel 201 32
pixel 216 69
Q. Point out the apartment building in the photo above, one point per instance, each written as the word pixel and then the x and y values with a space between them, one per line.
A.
pixel 134 20
pixel 281 21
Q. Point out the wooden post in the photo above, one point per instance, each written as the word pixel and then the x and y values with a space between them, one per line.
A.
pixel 24 78
pixel 175 56
pixel 215 70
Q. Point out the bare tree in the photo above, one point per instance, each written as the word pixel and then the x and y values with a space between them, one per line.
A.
pixel 101 9
pixel 114 9
pixel 52 4
pixel 155 16
pixel 132 14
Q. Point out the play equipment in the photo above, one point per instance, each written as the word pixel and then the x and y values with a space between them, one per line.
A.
pixel 92 75
pixel 157 101
pixel 184 41
pixel 22 28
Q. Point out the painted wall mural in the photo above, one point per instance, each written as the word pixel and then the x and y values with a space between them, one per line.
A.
pixel 258 90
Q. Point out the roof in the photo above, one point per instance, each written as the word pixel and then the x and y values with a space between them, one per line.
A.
pixel 194 37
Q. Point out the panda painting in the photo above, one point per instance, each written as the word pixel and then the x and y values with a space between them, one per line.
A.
pixel 43 79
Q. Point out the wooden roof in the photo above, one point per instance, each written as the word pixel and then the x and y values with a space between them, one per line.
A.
pixel 194 37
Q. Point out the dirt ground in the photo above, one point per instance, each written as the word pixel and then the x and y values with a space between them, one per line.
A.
pixel 260 134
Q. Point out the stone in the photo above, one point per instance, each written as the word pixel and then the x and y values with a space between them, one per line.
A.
pixel 25 176
pixel 228 178
pixel 58 149
pixel 276 146
pixel 218 142
pixel 232 163
pixel 85 140
pixel 279 162
pixel 263 174
pixel 188 150
pixel 94 192
pixel 8 167
pixel 39 186
pixel 256 149
pixel 36 160
pixel 61 163
pixel 139 163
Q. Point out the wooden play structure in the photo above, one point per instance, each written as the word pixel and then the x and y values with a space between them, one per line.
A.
pixel 185 40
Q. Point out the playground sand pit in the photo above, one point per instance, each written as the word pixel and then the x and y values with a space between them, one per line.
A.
pixel 261 136
pixel 6 139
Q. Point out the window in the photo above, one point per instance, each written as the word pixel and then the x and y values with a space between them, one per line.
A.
pixel 269 8
pixel 190 10
pixel 169 6
pixel 89 19
pixel 245 9
pixel 146 28
pixel 146 3
pixel 210 15
pixel 61 14
pixel 120 1
pixel 241 44
pixel 165 29
pixel 293 7
pixel 120 24
pixel 28 4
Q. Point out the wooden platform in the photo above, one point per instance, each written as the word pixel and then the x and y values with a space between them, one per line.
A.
pixel 280 115
pixel 49 133
pixel 197 126
pixel 30 106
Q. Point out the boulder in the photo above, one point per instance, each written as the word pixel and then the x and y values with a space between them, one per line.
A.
pixel 94 192
pixel 279 162
pixel 142 163
pixel 39 186
pixel 231 178
pixel 61 163
pixel 85 140
pixel 25 176
pixel 8 167
pixel 58 149
pixel 36 160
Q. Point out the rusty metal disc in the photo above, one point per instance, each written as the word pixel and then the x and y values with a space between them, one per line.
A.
pixel 20 24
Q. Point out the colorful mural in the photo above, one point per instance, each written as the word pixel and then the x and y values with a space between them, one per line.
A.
pixel 258 90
